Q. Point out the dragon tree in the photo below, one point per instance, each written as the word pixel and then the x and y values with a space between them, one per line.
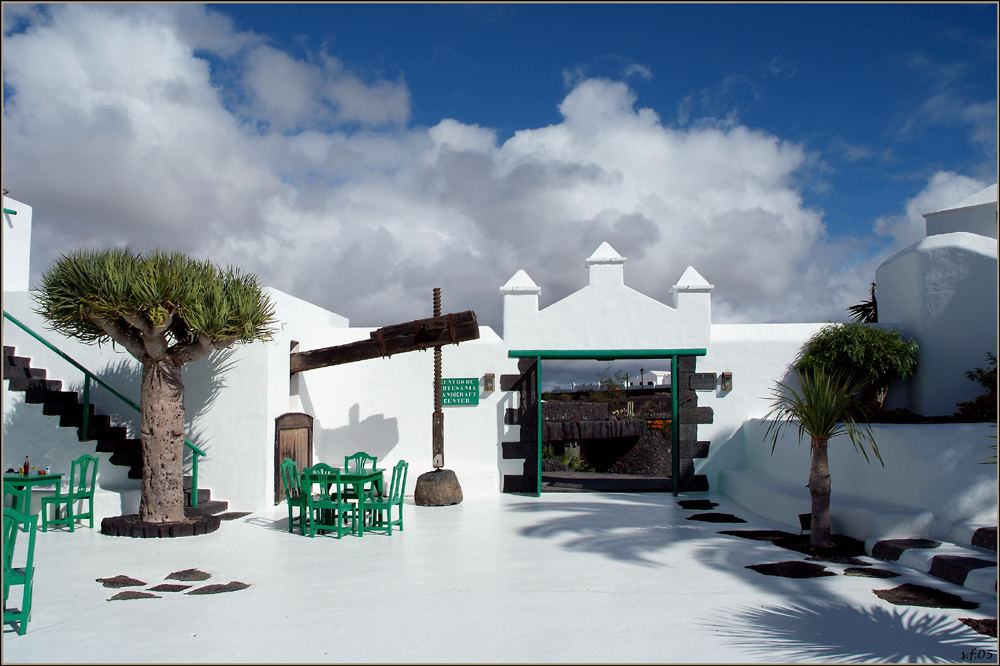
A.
pixel 166 309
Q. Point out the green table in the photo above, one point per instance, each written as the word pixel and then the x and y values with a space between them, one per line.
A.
pixel 30 482
pixel 356 479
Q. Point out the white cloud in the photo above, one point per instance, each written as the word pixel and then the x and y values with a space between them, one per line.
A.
pixel 116 133
pixel 908 226
pixel 290 94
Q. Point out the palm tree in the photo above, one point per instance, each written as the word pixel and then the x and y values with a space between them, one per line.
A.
pixel 824 408
pixel 167 310
pixel 865 312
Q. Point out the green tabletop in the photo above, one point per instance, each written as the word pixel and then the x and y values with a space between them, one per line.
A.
pixel 18 481
pixel 32 479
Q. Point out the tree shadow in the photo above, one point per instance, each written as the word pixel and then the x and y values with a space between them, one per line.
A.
pixel 204 380
pixel 842 633
pixel 629 529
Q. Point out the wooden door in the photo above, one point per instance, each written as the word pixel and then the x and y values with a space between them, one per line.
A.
pixel 293 438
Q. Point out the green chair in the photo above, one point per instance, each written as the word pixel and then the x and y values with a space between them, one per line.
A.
pixel 327 510
pixel 294 497
pixel 21 496
pixel 381 506
pixel 13 522
pixel 359 462
pixel 82 480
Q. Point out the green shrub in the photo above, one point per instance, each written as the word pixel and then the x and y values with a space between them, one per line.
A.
pixel 861 353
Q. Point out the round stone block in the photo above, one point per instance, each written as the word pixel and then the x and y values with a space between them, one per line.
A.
pixel 437 488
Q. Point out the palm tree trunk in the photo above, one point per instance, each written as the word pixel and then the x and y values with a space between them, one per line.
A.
pixel 162 499
pixel 819 492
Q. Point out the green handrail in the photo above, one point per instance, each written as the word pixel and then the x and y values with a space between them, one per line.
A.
pixel 90 376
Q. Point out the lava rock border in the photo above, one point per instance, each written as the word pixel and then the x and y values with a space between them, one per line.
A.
pixel 195 523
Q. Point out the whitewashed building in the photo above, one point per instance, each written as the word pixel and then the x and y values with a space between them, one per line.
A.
pixel 942 291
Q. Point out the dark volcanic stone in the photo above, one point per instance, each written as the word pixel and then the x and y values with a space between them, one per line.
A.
pixel 839 559
pixel 194 523
pixel 985 537
pixel 869 572
pixel 189 574
pixel 988 626
pixel 133 594
pixel 716 518
pixel 121 580
pixel 169 587
pixel 909 594
pixel 700 504
pixel 437 488
pixel 955 568
pixel 843 546
pixel 233 515
pixel 792 569
pixel 759 535
pixel 891 549
pixel 216 589
pixel 554 466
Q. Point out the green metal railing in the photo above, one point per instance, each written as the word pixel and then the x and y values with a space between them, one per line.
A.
pixel 89 377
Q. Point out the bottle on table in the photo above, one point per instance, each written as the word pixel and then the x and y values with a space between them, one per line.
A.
pixel 27 467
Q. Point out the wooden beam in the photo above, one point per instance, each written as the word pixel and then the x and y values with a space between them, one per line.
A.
pixel 396 339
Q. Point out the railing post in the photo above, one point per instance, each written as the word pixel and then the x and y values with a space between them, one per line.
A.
pixel 85 426
pixel 194 479
pixel 87 376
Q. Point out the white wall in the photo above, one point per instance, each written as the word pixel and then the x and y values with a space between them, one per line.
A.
pixel 16 245
pixel 384 406
pixel 758 355
pixel 942 291
pixel 981 220
pixel 932 474
pixel 603 314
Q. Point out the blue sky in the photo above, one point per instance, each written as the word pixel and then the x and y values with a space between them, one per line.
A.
pixel 359 155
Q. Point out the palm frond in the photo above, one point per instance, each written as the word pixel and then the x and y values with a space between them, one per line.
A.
pixel 822 407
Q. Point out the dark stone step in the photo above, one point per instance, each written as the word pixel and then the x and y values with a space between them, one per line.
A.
pixel 891 549
pixel 112 444
pixel 36 391
pixel 204 495
pixel 55 403
pixel 955 568
pixel 985 537
pixel 21 370
pixel 211 507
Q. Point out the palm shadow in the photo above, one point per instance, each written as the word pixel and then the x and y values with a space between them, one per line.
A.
pixel 629 529
pixel 842 633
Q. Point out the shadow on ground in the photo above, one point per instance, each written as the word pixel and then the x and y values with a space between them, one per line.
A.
pixel 598 526
pixel 832 632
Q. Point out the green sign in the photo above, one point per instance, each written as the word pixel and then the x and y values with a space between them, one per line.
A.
pixel 459 391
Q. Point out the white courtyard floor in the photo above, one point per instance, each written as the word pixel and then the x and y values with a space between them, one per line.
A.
pixel 565 578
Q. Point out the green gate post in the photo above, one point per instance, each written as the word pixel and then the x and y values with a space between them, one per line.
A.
pixel 538 401
pixel 675 433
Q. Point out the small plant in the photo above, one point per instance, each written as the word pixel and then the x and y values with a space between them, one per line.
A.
pixel 574 463
pixel 984 407
pixel 861 354
pixel 662 425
